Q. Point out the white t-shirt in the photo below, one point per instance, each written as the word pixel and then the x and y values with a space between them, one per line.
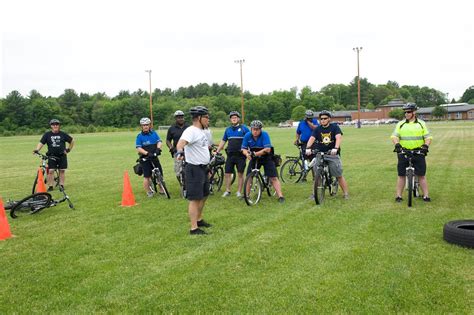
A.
pixel 197 150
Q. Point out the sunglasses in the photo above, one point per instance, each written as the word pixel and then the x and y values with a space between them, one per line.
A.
pixel 205 116
pixel 54 124
pixel 408 112
pixel 324 118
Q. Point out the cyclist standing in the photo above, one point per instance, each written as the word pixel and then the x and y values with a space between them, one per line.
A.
pixel 305 129
pixel 411 134
pixel 234 135
pixel 194 144
pixel 172 138
pixel 148 144
pixel 328 138
pixel 56 141
pixel 258 142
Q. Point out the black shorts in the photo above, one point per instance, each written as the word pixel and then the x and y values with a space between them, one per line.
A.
pixel 147 167
pixel 197 181
pixel 418 161
pixel 237 159
pixel 268 166
pixel 57 162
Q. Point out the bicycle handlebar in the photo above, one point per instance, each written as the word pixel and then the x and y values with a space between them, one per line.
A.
pixel 411 152
pixel 45 157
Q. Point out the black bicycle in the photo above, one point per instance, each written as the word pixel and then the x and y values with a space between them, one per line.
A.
pixel 45 169
pixel 295 169
pixel 182 178
pixel 412 182
pixel 157 179
pixel 255 183
pixel 35 203
pixel 323 180
pixel 216 172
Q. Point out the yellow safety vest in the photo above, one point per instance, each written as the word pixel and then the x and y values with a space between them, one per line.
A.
pixel 411 134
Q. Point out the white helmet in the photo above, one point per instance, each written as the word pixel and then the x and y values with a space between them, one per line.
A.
pixel 178 113
pixel 145 121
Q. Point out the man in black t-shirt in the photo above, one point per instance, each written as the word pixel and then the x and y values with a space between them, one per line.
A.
pixel 172 138
pixel 328 138
pixel 57 151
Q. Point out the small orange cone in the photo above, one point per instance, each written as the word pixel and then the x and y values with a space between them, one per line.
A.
pixel 40 186
pixel 128 199
pixel 4 226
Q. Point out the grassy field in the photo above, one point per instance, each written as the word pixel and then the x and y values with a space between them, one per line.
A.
pixel 363 255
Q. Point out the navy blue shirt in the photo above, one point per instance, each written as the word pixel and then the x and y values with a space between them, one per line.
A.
pixel 147 141
pixel 263 141
pixel 326 137
pixel 235 136
pixel 304 130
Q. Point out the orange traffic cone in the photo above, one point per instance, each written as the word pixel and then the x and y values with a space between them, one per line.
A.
pixel 128 199
pixel 4 227
pixel 40 186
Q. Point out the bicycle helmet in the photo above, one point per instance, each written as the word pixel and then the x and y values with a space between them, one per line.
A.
pixel 410 107
pixel 178 113
pixel 234 113
pixel 198 111
pixel 325 113
pixel 256 124
pixel 145 121
pixel 309 114
pixel 54 122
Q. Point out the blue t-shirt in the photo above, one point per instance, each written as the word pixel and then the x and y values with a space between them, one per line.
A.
pixel 326 137
pixel 304 130
pixel 148 140
pixel 263 141
pixel 235 136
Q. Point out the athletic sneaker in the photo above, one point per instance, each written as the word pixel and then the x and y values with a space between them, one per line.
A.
pixel 281 199
pixel 426 199
pixel 398 199
pixel 346 196
pixel 238 194
pixel 203 223
pixel 50 188
pixel 150 194
pixel 197 231
pixel 226 194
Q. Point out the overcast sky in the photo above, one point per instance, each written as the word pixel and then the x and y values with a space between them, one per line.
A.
pixel 105 46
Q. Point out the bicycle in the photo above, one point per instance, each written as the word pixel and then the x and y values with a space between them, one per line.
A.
pixel 295 168
pixel 35 203
pixel 45 169
pixel 156 177
pixel 255 183
pixel 412 182
pixel 322 179
pixel 216 172
pixel 182 179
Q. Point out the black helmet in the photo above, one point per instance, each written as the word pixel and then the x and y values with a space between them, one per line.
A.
pixel 54 122
pixel 309 114
pixel 256 124
pixel 325 112
pixel 198 111
pixel 410 107
pixel 234 113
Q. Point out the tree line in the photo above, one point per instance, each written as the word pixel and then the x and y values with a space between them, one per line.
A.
pixel 82 112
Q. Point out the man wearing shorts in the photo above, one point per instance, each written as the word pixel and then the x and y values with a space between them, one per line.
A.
pixel 328 138
pixel 194 144
pixel 57 152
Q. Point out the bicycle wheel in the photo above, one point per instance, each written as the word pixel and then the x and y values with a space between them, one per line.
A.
pixel 319 187
pixel 161 183
pixel 416 187
pixel 56 177
pixel 31 204
pixel 153 183
pixel 291 171
pixel 334 186
pixel 270 189
pixel 233 176
pixel 182 184
pixel 252 189
pixel 410 187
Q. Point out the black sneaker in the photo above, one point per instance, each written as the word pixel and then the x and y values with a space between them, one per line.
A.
pixel 398 199
pixel 427 199
pixel 281 199
pixel 203 223
pixel 197 231
pixel 50 188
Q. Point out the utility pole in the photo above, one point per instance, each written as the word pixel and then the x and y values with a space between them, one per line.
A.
pixel 151 99
pixel 241 61
pixel 358 49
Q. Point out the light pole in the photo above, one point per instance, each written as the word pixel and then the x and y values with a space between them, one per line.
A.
pixel 447 98
pixel 358 49
pixel 241 61
pixel 151 102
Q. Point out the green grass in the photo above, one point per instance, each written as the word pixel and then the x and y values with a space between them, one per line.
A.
pixel 363 255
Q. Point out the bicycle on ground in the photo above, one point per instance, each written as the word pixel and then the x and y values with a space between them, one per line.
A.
pixel 323 180
pixel 296 168
pixel 157 180
pixel 44 169
pixel 35 203
pixel 255 183
pixel 412 182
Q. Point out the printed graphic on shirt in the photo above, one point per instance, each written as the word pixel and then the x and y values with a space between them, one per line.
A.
pixel 326 138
